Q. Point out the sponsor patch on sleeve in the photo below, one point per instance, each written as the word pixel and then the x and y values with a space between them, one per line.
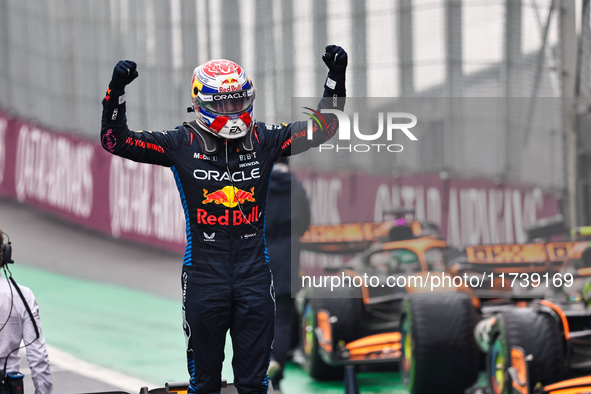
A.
pixel 331 84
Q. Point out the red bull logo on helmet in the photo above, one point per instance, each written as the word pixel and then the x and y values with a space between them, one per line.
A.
pixel 229 85
pixel 228 196
pixel 233 88
pixel 229 81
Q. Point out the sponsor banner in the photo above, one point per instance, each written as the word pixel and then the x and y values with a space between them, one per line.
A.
pixel 51 171
pixel 8 137
pixel 467 211
pixel 144 204
pixel 77 180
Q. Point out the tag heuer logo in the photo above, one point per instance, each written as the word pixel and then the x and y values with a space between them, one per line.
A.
pixel 209 237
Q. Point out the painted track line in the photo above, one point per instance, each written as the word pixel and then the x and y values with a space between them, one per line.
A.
pixel 63 360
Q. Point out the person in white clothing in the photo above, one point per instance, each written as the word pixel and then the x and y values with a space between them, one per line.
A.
pixel 20 326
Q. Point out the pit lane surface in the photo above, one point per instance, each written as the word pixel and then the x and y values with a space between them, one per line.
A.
pixel 111 311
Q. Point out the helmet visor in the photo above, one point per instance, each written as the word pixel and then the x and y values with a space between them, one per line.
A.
pixel 226 103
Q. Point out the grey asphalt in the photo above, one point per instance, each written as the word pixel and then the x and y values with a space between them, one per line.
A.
pixel 45 241
pixel 68 382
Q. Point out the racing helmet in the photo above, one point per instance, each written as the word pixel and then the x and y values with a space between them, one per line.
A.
pixel 222 97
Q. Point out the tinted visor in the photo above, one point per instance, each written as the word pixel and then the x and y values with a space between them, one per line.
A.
pixel 227 103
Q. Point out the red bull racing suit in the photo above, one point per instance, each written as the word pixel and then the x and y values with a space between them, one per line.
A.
pixel 226 280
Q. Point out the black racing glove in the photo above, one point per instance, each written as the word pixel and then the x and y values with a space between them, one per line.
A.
pixel 336 60
pixel 124 72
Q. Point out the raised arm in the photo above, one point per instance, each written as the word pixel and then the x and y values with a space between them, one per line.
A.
pixel 297 137
pixel 142 146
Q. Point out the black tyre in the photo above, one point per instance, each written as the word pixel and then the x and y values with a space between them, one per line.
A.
pixel 439 352
pixel 538 334
pixel 348 310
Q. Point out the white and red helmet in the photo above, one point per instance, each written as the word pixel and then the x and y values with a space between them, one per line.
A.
pixel 222 98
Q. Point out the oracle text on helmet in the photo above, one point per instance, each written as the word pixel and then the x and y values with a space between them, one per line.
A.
pixel 236 95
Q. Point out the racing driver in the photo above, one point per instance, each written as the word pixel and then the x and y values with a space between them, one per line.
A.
pixel 222 163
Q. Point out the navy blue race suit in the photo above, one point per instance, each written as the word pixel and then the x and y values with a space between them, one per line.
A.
pixel 226 279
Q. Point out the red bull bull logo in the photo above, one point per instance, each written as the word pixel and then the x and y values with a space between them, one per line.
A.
pixel 230 84
pixel 229 81
pixel 229 196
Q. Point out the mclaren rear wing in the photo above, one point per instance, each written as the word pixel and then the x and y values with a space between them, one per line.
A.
pixel 546 256
pixel 351 238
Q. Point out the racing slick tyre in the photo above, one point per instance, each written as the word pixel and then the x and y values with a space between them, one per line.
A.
pixel 439 353
pixel 347 308
pixel 538 334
